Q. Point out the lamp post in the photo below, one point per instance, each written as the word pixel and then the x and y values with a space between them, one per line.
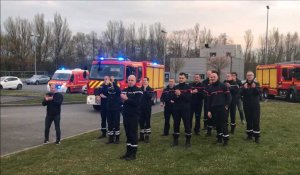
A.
pixel 267 33
pixel 35 36
pixel 165 33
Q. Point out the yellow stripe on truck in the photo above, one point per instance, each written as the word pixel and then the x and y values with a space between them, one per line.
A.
pixel 95 84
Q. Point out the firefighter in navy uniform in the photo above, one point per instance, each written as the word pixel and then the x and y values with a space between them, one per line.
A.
pixel 197 102
pixel 113 106
pixel 205 84
pixel 234 91
pixel 101 95
pixel 182 104
pixel 131 98
pixel 165 100
pixel 251 94
pixel 218 101
pixel 145 117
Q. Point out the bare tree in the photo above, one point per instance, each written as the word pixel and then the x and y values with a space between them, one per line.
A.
pixel 151 43
pixel 176 64
pixel 218 63
pixel 196 38
pixel 62 37
pixel 130 42
pixel 142 42
pixel 188 42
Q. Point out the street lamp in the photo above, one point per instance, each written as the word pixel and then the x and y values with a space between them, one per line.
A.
pixel 35 36
pixel 165 33
pixel 267 33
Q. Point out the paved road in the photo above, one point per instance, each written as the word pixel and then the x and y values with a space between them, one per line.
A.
pixel 35 88
pixel 23 127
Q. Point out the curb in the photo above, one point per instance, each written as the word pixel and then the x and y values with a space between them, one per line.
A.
pixel 39 104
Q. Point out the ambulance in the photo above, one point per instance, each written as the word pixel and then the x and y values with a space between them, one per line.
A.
pixel 280 79
pixel 69 81
pixel 121 68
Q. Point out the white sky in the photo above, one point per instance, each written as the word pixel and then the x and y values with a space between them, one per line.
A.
pixel 230 17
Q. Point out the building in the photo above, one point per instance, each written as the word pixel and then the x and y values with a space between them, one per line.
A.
pixel 200 65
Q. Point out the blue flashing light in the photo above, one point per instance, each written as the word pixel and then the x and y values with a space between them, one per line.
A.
pixel 121 59
pixel 58 87
pixel 62 68
pixel 154 63
pixel 101 58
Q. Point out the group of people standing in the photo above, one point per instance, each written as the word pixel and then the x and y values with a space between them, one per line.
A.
pixel 181 102
pixel 219 101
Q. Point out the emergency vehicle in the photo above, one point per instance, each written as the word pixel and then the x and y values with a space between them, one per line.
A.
pixel 121 68
pixel 280 79
pixel 68 81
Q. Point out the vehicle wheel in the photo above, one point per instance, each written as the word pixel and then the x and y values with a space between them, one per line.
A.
pixel 96 107
pixel 37 82
pixel 292 96
pixel 28 83
pixel 265 94
pixel 1 87
pixel 19 87
pixel 68 91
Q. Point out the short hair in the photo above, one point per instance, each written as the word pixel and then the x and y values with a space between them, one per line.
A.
pixel 182 73
pixel 172 79
pixel 234 73
pixel 147 78
pixel 197 74
pixel 216 72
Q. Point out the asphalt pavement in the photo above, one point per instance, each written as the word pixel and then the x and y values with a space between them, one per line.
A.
pixel 23 127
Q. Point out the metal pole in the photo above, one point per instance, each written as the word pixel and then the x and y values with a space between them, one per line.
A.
pixel 267 33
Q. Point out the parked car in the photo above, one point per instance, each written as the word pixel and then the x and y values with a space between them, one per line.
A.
pixel 10 82
pixel 38 79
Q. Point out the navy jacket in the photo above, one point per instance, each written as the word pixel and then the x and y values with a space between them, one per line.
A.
pixel 53 106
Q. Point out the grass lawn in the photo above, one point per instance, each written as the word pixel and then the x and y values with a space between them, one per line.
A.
pixel 37 97
pixel 278 152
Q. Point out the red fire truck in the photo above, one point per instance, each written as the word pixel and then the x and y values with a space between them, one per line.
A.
pixel 281 79
pixel 121 68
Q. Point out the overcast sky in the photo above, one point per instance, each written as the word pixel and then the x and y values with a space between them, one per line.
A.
pixel 230 17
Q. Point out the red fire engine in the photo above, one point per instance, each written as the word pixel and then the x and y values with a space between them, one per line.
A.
pixel 281 79
pixel 121 68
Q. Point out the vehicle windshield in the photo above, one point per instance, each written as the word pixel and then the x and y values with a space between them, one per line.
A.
pixel 61 76
pixel 297 73
pixel 99 71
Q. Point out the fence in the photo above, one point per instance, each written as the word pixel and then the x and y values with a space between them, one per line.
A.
pixel 22 74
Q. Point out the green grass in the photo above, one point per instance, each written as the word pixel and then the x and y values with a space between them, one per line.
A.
pixel 37 97
pixel 278 152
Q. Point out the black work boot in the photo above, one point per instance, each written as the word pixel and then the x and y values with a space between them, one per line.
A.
pixel 188 141
pixel 249 136
pixel 175 140
pixel 110 139
pixel 132 154
pixel 142 137
pixel 232 129
pixel 117 141
pixel 225 142
pixel 128 149
pixel 147 138
pixel 103 135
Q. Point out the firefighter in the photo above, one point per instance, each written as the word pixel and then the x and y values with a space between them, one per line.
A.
pixel 146 104
pixel 218 99
pixel 234 90
pixel 251 94
pixel 239 100
pixel 196 103
pixel 182 104
pixel 205 84
pixel 131 98
pixel 101 95
pixel 113 106
pixel 165 99
pixel 53 101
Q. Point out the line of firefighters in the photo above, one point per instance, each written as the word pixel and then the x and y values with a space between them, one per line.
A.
pixel 182 101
